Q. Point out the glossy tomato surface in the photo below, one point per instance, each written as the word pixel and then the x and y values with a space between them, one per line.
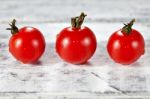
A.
pixel 76 45
pixel 27 45
pixel 126 49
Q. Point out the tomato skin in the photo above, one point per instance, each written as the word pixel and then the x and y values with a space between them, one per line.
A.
pixel 76 45
pixel 126 49
pixel 27 45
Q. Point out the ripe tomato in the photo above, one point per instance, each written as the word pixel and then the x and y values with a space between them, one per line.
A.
pixel 126 45
pixel 76 44
pixel 26 44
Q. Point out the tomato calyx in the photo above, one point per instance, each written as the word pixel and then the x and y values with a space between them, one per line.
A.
pixel 76 22
pixel 13 28
pixel 128 27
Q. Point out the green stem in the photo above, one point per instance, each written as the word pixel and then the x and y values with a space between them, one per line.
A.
pixel 128 27
pixel 78 21
pixel 13 28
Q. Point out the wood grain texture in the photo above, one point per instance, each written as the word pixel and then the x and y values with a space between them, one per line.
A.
pixel 61 10
pixel 50 77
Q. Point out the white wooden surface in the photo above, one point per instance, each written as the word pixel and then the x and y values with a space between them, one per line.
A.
pixel 62 10
pixel 51 77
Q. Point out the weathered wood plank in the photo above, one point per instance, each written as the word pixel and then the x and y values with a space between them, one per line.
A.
pixel 51 75
pixel 58 10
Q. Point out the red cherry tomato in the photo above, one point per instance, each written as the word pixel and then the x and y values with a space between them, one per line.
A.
pixel 26 44
pixel 126 45
pixel 76 44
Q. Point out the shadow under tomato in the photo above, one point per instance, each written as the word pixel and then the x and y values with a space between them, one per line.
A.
pixel 37 63
pixel 86 64
pixel 136 64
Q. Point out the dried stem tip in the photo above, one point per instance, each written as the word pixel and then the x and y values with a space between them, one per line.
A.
pixel 13 28
pixel 77 21
pixel 128 27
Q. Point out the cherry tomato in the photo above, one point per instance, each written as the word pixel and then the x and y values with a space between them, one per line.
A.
pixel 126 45
pixel 26 44
pixel 76 44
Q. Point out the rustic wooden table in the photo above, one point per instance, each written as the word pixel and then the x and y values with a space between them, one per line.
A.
pixel 51 78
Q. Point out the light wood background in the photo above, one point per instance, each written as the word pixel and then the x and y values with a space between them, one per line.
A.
pixel 51 78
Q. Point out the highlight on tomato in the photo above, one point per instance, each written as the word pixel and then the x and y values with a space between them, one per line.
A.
pixel 126 45
pixel 26 44
pixel 76 44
